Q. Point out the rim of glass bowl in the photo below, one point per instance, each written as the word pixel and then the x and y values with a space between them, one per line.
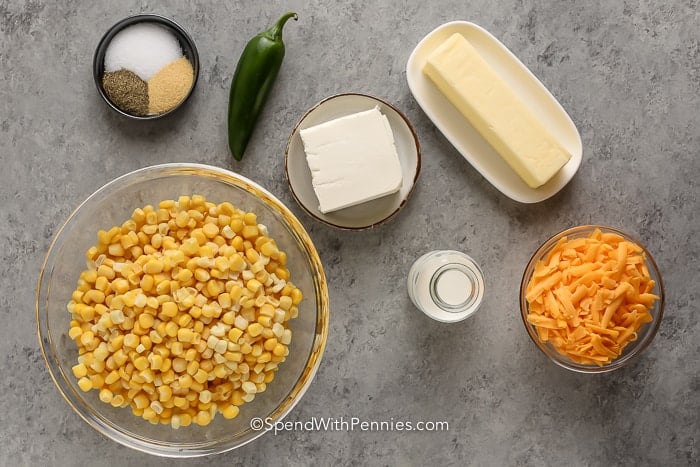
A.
pixel 194 449
pixel 627 357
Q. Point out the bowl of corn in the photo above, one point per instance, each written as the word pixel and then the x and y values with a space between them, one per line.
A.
pixel 178 304
pixel 592 298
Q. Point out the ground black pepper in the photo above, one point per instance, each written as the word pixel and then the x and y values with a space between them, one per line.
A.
pixel 127 91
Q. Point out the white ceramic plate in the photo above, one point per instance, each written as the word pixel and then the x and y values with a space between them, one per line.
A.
pixel 371 213
pixel 466 139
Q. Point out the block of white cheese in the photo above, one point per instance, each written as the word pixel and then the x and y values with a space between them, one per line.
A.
pixel 352 159
pixel 497 113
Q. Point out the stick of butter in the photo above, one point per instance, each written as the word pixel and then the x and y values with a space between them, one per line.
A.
pixel 471 85
pixel 352 159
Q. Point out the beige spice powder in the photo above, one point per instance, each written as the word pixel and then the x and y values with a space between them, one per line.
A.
pixel 169 87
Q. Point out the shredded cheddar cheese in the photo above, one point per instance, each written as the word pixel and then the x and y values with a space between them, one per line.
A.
pixel 590 296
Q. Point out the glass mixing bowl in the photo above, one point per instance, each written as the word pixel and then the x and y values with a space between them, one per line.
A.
pixel 644 336
pixel 113 204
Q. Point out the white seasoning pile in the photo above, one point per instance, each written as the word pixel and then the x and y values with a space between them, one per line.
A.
pixel 144 48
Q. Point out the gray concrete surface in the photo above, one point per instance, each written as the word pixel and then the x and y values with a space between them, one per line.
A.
pixel 627 72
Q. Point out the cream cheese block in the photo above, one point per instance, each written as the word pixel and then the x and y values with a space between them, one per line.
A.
pixel 352 159
pixel 493 108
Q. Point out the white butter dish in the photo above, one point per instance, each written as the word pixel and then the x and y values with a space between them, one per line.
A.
pixel 466 139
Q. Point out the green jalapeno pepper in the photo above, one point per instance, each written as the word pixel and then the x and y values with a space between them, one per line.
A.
pixel 256 72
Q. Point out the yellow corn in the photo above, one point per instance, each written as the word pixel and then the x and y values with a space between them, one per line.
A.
pixel 79 370
pixel 141 401
pixel 234 334
pixel 149 349
pixel 169 309
pixel 211 230
pixel 285 302
pixel 255 329
pixel 75 332
pixel 229 412
pixel 97 381
pixel 84 384
pixel 106 395
pixel 296 296
pixel 253 285
pixel 250 232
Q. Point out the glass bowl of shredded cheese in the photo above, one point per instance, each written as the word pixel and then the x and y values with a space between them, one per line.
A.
pixel 182 310
pixel 592 298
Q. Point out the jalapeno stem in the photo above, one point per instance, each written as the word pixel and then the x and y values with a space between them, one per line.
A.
pixel 275 32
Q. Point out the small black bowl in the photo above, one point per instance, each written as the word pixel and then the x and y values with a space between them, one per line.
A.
pixel 188 49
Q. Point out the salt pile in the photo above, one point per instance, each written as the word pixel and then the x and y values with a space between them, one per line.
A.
pixel 143 48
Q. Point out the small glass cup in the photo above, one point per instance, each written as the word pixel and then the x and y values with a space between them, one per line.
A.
pixel 446 285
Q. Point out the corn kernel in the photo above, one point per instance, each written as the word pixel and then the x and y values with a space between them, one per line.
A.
pixel 235 334
pixel 190 354
pixel 141 363
pixel 253 285
pixel 185 335
pixel 296 296
pixel 185 381
pixel 106 395
pixel 146 321
pixel 211 230
pixel 270 344
pixel 182 218
pixel 249 388
pixel 277 330
pixel 131 340
pixel 164 393
pixel 221 347
pixel 140 401
pixel 169 309
pixel 286 337
pixel 230 412
pixel 249 232
pixel 192 367
pixel 120 358
pixel 203 418
pixel 86 338
pixel 185 419
pixel 201 376
pixel 236 263
pixel 84 384
pixel 105 271
pixel 112 377
pixel 116 250
pixel 101 353
pixel 75 332
pixel 279 350
pixel 255 329
pixel 156 361
pixel 285 302
pixel 93 296
pixel 179 365
pixel 79 370
pixel 97 381
pixel 201 274
pixel 184 276
pixel 250 218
